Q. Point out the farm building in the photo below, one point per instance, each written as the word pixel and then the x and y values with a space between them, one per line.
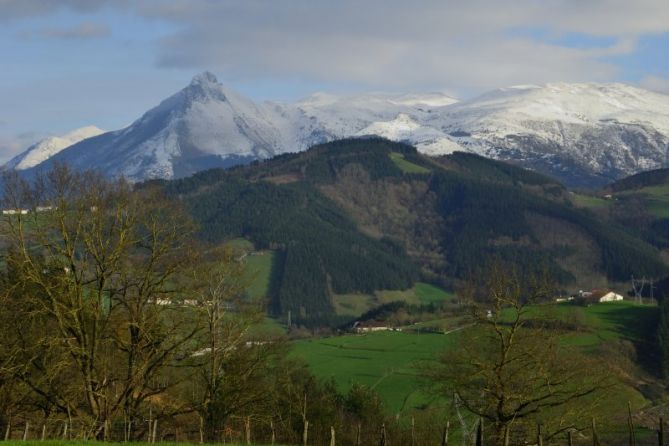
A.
pixel 367 326
pixel 600 296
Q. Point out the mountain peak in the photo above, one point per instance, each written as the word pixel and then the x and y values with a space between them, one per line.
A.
pixel 206 77
pixel 48 147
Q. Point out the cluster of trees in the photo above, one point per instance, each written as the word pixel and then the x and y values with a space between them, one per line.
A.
pixel 117 324
pixel 481 213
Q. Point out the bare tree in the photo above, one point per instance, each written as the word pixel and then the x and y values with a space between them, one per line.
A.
pixel 97 268
pixel 233 373
pixel 511 367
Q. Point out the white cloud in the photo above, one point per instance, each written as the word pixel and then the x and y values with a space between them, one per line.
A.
pixel 82 31
pixel 17 9
pixel 394 44
pixel 466 45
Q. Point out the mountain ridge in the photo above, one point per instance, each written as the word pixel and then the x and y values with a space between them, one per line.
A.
pixel 585 135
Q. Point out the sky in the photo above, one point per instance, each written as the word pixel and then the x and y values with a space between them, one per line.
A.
pixel 65 64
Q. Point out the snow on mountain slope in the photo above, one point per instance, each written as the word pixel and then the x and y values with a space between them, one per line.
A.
pixel 206 125
pixel 202 126
pixel 48 147
pixel 598 131
pixel 584 134
pixel 323 117
pixel 428 140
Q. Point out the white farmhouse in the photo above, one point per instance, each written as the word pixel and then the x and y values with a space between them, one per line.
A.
pixel 603 296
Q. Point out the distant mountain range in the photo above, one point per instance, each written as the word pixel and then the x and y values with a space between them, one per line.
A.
pixel 585 135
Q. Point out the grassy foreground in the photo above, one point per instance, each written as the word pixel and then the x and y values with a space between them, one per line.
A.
pixel 386 361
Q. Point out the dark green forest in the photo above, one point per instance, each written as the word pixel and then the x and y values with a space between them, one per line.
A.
pixel 298 205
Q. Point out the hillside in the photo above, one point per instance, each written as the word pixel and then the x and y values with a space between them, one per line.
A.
pixel 388 361
pixel 364 215
pixel 639 203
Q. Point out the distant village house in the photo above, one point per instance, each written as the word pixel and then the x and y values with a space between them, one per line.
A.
pixel 599 296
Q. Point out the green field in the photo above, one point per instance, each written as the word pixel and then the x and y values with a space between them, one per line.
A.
pixel 428 294
pixel 590 201
pixel 407 166
pixel 383 361
pixel 258 273
pixel 656 198
pixel 611 321
pixel 355 304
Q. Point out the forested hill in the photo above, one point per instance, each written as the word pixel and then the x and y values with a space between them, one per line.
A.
pixel 649 178
pixel 361 215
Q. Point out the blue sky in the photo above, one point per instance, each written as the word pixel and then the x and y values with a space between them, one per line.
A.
pixel 70 63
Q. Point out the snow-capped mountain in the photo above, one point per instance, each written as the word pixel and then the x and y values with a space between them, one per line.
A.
pixel 584 134
pixel 207 125
pixel 48 147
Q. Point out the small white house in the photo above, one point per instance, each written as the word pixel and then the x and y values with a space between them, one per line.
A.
pixel 610 297
pixel 601 296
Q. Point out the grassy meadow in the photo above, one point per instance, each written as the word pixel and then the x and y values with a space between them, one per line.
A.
pixel 386 361
pixel 656 198
pixel 407 166
pixel 355 304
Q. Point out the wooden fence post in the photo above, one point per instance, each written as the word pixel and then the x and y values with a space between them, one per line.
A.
pixel 155 430
pixel 8 432
pixel 444 438
pixel 271 425
pixel 630 425
pixel 595 437
pixel 305 433
pixel 383 435
pixel 660 433
pixel 540 439
pixel 479 433
pixel 201 429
